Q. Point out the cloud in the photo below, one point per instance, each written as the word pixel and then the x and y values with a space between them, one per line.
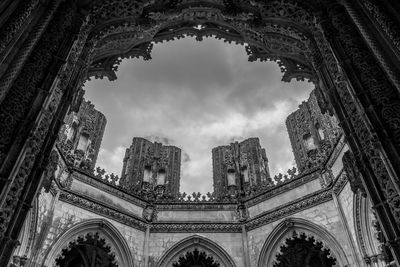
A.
pixel 185 157
pixel 197 95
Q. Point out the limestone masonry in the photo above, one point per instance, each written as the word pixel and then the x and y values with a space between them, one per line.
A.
pixel 251 219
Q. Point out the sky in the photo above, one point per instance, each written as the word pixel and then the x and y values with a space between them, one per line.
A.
pixel 196 96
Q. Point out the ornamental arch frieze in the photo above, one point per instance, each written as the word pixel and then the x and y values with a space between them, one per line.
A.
pixel 291 227
pixel 197 244
pixel 100 228
pixel 74 40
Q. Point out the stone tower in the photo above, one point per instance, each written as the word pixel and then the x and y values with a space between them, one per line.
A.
pixel 312 134
pixel 237 165
pixel 150 165
pixel 81 135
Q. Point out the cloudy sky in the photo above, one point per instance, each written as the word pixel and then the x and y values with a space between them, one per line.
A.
pixel 196 95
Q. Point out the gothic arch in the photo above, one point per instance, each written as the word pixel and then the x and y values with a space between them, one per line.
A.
pixel 365 232
pixel 106 231
pixel 28 233
pixel 284 230
pixel 201 244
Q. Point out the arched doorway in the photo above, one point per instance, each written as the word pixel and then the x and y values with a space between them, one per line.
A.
pixel 336 44
pixel 196 258
pixel 196 251
pixel 94 241
pixel 298 242
pixel 89 251
pixel 300 251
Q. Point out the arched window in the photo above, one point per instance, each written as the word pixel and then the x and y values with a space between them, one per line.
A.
pixel 320 132
pixel 161 175
pixel 245 174
pixel 83 142
pixel 309 143
pixel 147 174
pixel 231 177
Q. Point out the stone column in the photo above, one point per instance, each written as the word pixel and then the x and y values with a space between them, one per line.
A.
pixel 15 22
pixel 384 53
pixel 32 112
pixel 357 90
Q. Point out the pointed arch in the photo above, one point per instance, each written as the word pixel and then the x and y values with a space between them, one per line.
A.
pixel 285 229
pixel 105 229
pixel 200 243
pixel 366 234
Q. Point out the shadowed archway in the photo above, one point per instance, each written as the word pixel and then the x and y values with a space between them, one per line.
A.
pixel 95 235
pixel 195 251
pixel 295 228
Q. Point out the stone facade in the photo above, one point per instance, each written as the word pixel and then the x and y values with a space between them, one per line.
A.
pixel 239 166
pixel 242 230
pixel 313 135
pixel 150 165
pixel 82 133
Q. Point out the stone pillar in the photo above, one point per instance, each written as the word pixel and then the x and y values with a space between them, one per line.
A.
pixel 365 102
pixel 33 111
pixel 15 22
pixel 375 38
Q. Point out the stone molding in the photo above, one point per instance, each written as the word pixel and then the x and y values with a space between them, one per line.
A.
pixel 103 210
pixel 289 209
pixel 184 227
pixel 340 183
pixel 139 223
pixel 282 188
pixel 112 189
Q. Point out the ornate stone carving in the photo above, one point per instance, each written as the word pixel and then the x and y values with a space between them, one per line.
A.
pixel 14 24
pixel 241 165
pixel 137 223
pixel 389 27
pixel 50 170
pixel 150 213
pixel 353 174
pixel 313 135
pixel 154 164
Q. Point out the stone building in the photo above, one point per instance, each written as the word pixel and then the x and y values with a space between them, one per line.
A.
pixel 87 216
pixel 239 166
pixel 81 135
pixel 148 165
pixel 312 134
pixel 349 49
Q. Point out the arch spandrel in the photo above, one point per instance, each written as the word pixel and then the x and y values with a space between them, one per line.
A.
pixel 200 243
pixel 284 230
pixel 113 238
